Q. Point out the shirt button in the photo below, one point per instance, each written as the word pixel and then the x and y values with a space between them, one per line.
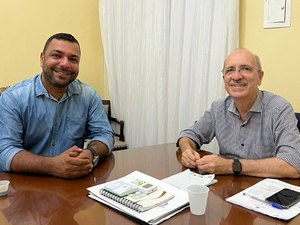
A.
pixel 242 145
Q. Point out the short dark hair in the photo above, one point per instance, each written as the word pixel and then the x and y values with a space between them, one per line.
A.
pixel 61 36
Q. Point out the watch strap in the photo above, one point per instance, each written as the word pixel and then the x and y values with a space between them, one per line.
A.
pixel 96 155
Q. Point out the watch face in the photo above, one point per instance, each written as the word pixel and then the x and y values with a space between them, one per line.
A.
pixel 95 160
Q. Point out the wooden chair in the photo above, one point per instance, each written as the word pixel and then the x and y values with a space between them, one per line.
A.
pixel 3 89
pixel 298 118
pixel 117 126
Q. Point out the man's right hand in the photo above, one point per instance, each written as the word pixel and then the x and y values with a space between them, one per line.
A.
pixel 189 155
pixel 189 158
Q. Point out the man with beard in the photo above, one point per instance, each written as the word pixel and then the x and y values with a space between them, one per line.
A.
pixel 256 130
pixel 45 119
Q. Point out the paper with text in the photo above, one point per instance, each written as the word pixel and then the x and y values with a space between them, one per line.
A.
pixel 187 177
pixel 155 215
pixel 254 198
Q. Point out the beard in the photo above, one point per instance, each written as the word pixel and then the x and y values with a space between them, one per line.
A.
pixel 58 77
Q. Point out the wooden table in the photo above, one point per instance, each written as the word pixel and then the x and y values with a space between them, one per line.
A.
pixel 35 199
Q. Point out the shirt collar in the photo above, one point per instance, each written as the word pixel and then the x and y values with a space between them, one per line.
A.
pixel 256 107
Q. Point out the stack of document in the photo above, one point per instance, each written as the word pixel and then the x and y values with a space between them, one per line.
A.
pixel 173 200
pixel 254 198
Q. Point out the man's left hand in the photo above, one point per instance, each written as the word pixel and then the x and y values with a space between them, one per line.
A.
pixel 214 164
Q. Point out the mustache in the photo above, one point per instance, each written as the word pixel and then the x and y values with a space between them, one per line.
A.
pixel 237 82
pixel 64 71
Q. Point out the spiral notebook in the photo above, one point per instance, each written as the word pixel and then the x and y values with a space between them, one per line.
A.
pixel 140 204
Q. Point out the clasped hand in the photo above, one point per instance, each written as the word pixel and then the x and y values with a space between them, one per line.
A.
pixel 207 164
pixel 72 163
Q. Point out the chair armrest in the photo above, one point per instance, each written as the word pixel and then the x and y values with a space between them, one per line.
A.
pixel 121 123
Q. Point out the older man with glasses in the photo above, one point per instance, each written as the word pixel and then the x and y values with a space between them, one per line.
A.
pixel 256 130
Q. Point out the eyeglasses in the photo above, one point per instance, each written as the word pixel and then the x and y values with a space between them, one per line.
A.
pixel 244 69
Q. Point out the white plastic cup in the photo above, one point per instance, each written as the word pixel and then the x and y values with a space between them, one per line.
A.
pixel 4 187
pixel 198 198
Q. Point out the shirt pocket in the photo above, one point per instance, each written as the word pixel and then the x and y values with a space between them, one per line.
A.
pixel 75 127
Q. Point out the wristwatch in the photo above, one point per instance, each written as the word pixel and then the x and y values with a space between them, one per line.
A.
pixel 236 167
pixel 95 155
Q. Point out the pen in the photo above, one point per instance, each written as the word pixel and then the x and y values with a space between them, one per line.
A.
pixel 274 205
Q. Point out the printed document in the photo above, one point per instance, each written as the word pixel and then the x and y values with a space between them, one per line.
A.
pixel 156 215
pixel 187 177
pixel 254 198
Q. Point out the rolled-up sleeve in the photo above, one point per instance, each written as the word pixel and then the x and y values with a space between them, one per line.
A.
pixel 202 131
pixel 10 132
pixel 287 136
pixel 98 126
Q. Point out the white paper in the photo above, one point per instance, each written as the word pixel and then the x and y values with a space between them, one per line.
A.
pixel 152 216
pixel 187 177
pixel 254 198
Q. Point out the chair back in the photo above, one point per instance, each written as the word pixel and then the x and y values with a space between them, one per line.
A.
pixel 3 89
pixel 117 126
pixel 298 118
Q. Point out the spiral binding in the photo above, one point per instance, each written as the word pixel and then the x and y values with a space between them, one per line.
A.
pixel 130 204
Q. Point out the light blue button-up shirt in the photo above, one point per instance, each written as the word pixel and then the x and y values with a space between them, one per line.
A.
pixel 31 119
